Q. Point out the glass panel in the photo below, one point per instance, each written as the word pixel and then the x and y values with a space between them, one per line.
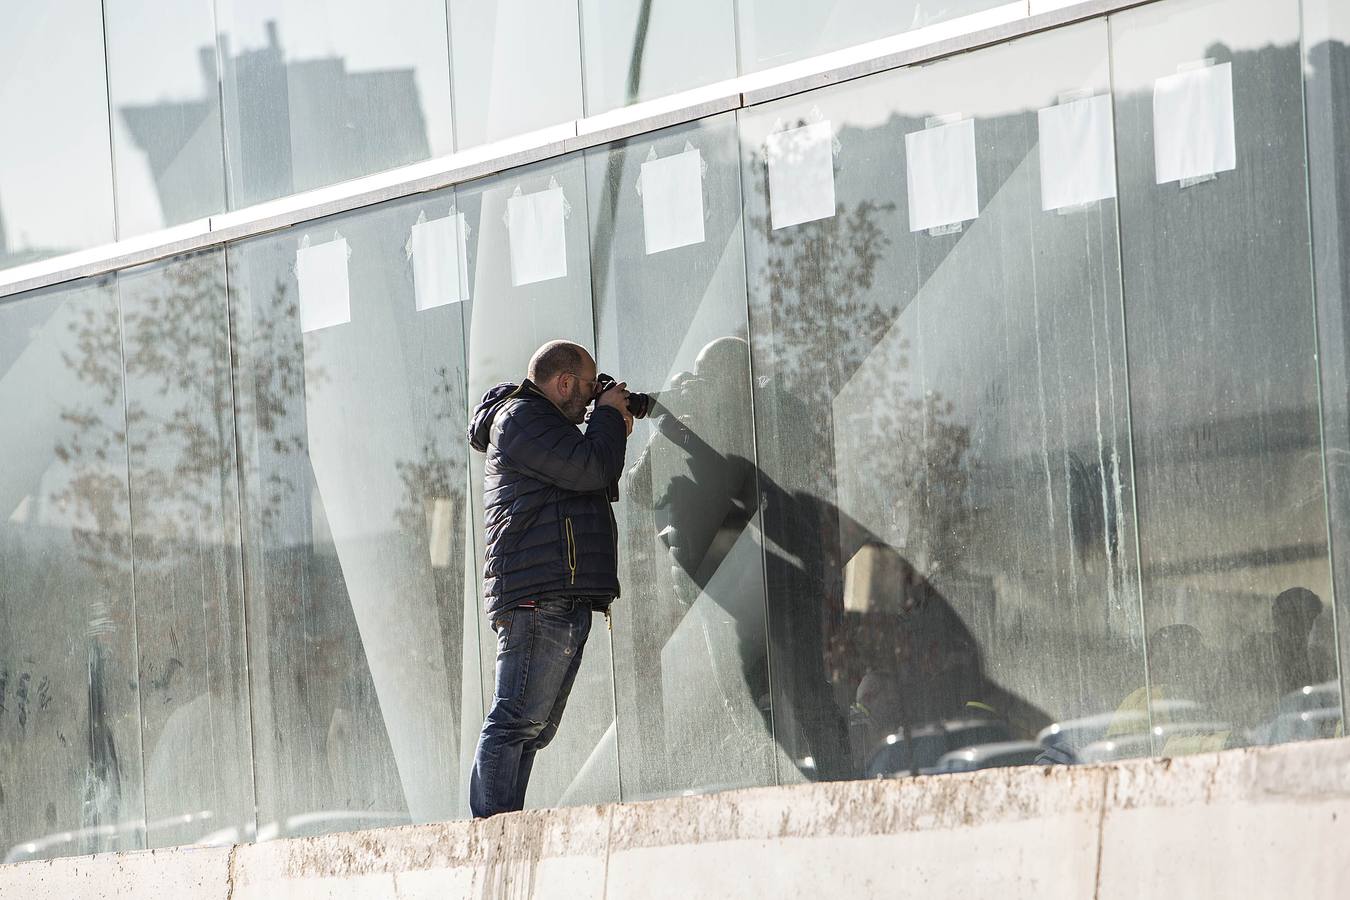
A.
pixel 55 162
pixel 668 266
pixel 317 92
pixel 517 67
pixel 70 737
pixel 185 516
pixel 1326 44
pixel 170 165
pixel 351 414
pixel 524 294
pixel 774 32
pixel 942 418
pixel 637 49
pixel 1214 228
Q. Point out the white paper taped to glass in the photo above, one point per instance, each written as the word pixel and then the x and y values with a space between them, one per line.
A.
pixel 538 234
pixel 801 174
pixel 436 248
pixel 940 175
pixel 325 295
pixel 1193 130
pixel 1078 153
pixel 672 201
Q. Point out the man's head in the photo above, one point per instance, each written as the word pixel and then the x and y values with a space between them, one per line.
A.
pixel 564 372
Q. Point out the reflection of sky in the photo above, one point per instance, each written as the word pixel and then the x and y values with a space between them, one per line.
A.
pixel 54 158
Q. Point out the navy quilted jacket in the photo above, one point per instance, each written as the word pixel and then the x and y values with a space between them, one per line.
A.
pixel 547 489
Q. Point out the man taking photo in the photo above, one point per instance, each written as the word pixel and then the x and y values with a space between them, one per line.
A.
pixel 551 560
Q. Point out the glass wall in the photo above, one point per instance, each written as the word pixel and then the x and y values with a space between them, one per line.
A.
pixel 637 49
pixel 1223 384
pixel 668 276
pixel 351 407
pixel 164 102
pixel 774 32
pixel 941 406
pixel 56 188
pixel 71 760
pixel 997 421
pixel 517 67
pixel 317 92
pixel 1326 62
pixel 528 267
pixel 185 550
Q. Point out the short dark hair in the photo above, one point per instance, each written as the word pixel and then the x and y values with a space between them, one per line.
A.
pixel 555 358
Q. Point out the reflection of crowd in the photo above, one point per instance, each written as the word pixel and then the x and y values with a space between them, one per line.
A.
pixel 873 671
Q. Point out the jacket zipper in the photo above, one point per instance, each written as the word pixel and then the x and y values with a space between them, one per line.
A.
pixel 571 549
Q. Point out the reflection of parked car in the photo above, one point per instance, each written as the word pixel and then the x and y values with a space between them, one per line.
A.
pixel 987 756
pixel 928 744
pixel 1307 714
pixel 1178 738
pixel 1068 739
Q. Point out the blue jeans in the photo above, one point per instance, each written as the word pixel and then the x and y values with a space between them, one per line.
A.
pixel 538 654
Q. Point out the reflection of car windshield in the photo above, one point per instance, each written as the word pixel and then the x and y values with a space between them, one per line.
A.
pixel 987 756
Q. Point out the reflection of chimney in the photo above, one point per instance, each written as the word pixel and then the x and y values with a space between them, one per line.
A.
pixel 273 40
pixel 206 59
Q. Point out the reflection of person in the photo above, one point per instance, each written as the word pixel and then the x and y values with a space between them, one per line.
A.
pixel 1293 614
pixel 911 642
pixel 551 556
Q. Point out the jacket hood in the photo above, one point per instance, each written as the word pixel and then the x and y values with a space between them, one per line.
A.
pixel 480 426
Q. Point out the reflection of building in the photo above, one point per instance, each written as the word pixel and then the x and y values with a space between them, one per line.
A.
pixel 295 125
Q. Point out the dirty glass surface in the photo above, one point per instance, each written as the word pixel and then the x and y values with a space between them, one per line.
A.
pixel 186 547
pixel 318 92
pixel 530 284
pixel 351 409
pixel 691 671
pixel 70 704
pixel 56 191
pixel 1223 379
pixel 942 422
pixel 164 88
pixel 1326 42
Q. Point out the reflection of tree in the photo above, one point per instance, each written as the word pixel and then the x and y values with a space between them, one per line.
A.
pixel 817 277
pixel 434 479
pixel 173 340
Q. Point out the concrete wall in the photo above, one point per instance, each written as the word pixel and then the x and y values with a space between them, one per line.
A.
pixel 1248 823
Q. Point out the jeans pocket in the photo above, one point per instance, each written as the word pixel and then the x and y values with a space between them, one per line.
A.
pixel 502 624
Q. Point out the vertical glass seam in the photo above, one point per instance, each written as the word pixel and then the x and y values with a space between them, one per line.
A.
pixel 454 114
pixel 112 143
pixel 1129 405
pixel 585 94
pixel 131 558
pixel 244 587
pixel 1317 348
pixel 775 751
pixel 227 188
pixel 595 336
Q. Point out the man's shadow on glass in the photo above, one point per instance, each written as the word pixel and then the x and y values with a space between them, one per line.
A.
pixel 858 665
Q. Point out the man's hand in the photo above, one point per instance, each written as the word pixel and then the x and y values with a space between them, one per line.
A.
pixel 617 397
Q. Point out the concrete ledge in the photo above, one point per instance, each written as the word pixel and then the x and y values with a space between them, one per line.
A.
pixel 1247 823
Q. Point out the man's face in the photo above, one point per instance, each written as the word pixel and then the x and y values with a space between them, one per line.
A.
pixel 578 391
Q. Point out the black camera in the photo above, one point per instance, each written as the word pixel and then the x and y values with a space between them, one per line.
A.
pixel 638 404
